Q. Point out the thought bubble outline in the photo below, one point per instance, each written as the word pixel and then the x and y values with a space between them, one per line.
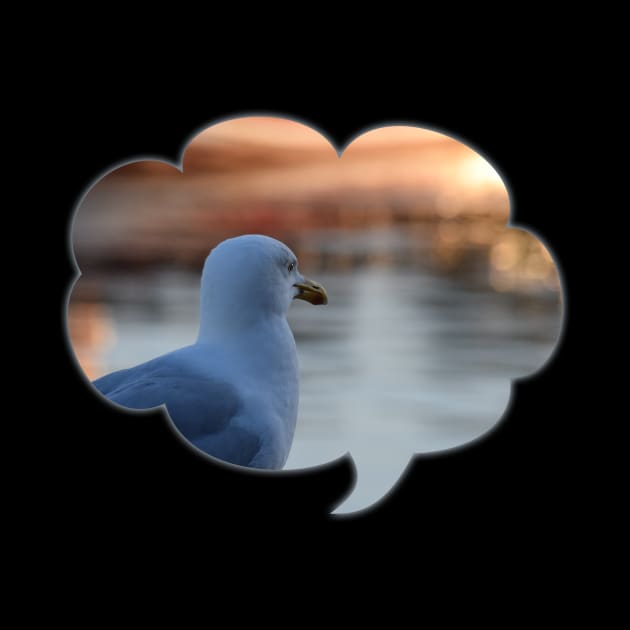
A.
pixel 178 164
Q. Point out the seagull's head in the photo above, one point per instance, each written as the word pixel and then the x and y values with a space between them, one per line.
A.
pixel 251 275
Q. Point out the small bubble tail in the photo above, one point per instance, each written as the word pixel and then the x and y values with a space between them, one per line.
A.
pixel 375 480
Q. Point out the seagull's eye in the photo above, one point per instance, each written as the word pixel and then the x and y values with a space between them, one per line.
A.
pixel 291 267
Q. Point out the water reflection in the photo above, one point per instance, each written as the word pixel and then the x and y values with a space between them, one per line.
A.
pixel 403 352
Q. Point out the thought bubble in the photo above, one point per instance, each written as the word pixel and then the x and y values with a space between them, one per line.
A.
pixel 436 303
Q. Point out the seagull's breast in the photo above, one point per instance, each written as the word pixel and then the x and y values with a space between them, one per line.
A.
pixel 263 365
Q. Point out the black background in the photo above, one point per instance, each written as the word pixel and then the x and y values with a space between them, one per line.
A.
pixel 129 475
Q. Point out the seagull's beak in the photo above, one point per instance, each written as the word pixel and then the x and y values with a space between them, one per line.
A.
pixel 311 292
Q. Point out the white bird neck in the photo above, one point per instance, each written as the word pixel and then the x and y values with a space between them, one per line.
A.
pixel 265 347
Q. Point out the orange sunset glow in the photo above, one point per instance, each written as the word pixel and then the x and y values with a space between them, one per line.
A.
pixel 282 178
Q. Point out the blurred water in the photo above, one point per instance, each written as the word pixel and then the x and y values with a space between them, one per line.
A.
pixel 401 360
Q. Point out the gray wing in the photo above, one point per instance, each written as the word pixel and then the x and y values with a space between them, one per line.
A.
pixel 203 409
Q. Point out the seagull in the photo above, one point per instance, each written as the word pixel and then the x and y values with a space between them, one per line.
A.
pixel 233 393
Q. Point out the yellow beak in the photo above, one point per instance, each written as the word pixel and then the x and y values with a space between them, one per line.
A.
pixel 311 292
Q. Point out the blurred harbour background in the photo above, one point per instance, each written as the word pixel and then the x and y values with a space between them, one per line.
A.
pixel 434 304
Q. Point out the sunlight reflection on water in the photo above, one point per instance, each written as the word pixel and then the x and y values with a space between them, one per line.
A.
pixel 395 353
